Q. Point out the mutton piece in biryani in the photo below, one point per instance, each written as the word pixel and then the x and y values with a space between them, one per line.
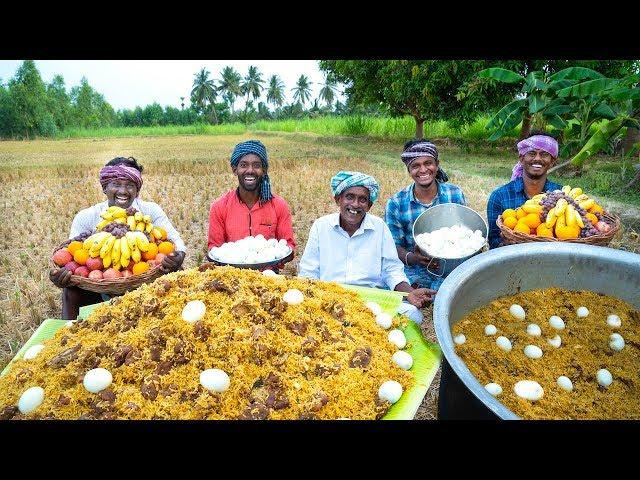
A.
pixel 324 358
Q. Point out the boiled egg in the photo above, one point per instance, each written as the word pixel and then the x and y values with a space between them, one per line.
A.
pixel 215 380
pixel 193 311
pixel 402 359
pixel 529 390
pixel 390 391
pixel 397 338
pixel 97 380
pixel 31 399
pixel 293 296
pixel 517 311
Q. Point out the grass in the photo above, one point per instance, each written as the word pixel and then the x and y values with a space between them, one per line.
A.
pixel 44 183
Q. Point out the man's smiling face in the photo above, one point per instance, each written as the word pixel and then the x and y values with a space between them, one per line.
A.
pixel 250 172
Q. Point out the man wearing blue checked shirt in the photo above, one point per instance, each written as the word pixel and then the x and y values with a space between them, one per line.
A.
pixel 429 188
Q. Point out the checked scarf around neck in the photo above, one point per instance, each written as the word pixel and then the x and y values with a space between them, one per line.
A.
pixel 257 148
pixel 423 149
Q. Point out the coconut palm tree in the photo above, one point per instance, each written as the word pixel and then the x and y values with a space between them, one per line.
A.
pixel 275 92
pixel 302 90
pixel 204 90
pixel 229 85
pixel 252 85
pixel 328 92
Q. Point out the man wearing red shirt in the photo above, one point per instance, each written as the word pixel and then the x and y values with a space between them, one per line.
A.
pixel 252 208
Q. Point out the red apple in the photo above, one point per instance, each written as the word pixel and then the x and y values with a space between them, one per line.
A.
pixel 71 266
pixel 62 257
pixel 159 258
pixel 603 227
pixel 95 274
pixel 82 271
pixel 126 273
pixel 111 273
pixel 94 264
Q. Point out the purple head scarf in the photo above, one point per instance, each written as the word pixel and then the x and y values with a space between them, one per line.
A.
pixel 120 172
pixel 535 142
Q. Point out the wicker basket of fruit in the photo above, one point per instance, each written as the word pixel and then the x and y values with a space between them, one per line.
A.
pixel 566 215
pixel 115 259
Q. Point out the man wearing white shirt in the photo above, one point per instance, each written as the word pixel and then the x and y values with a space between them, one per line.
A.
pixel 356 248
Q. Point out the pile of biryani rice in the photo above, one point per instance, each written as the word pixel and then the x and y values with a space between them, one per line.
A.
pixel 324 358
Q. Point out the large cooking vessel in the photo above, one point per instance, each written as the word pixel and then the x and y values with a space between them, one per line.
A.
pixel 508 271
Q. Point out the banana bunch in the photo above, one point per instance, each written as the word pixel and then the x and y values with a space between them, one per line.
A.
pixel 117 252
pixel 139 222
pixel 579 196
pixel 95 243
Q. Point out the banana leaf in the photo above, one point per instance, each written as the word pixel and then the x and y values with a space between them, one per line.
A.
pixel 575 73
pixel 501 74
pixel 590 87
pixel 624 93
pixel 426 355
pixel 509 110
pixel 46 330
pixel 605 111
pixel 556 121
pixel 598 141
pixel 533 82
pixel 537 102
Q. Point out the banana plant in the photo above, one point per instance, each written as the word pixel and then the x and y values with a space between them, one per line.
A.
pixel 573 99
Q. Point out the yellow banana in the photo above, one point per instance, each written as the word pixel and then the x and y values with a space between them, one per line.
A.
pixel 579 220
pixel 551 218
pixel 131 222
pixel 581 198
pixel 575 192
pixel 148 227
pixel 136 256
pixel 115 253
pixel 120 220
pixel 560 207
pixel 107 215
pixel 97 239
pixel 87 243
pixel 102 224
pixel 157 233
pixel 531 208
pixel 569 216
pixel 146 218
pixel 141 242
pixel 122 213
pixel 131 240
pixel 566 189
pixel 587 204
pixel 106 261
pixel 125 252
pixel 140 226
pixel 138 216
pixel 560 223
pixel 116 266
pixel 107 245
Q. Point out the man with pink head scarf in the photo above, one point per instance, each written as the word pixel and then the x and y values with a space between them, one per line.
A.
pixel 537 154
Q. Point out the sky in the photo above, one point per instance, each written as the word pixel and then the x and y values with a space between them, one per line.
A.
pixel 131 83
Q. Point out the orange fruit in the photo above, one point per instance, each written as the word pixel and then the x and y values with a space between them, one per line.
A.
pixel 596 209
pixel 592 218
pixel 532 220
pixel 509 212
pixel 140 267
pixel 151 253
pixel 80 256
pixel 165 247
pixel 520 213
pixel 74 246
pixel 522 228
pixel 510 222
pixel 566 232
pixel 543 231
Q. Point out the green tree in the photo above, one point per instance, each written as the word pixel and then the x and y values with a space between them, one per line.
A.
pixel 59 102
pixel 302 90
pixel 426 90
pixel 28 115
pixel 328 92
pixel 204 90
pixel 252 85
pixel 4 111
pixel 229 85
pixel 275 91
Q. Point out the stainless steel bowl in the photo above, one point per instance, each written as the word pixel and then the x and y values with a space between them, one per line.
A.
pixel 448 215
pixel 518 268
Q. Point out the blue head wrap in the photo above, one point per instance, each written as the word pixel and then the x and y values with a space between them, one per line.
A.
pixel 257 148
pixel 343 180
